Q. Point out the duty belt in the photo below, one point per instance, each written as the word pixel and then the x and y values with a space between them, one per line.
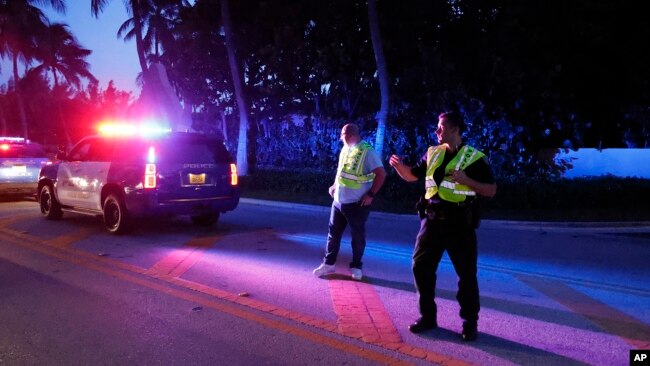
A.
pixel 439 210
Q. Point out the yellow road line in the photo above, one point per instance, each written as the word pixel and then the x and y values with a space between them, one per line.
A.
pixel 69 239
pixel 8 220
pixel 100 264
pixel 180 260
pixel 612 321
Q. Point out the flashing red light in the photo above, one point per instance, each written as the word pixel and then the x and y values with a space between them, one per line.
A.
pixel 4 147
pixel 233 175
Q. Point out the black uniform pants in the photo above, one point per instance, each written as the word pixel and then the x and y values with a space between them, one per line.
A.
pixel 459 240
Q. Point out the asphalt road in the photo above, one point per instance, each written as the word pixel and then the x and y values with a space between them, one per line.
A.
pixel 243 293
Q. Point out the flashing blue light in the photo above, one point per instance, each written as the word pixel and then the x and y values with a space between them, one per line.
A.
pixel 151 155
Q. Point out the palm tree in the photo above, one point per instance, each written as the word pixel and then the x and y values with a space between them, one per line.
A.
pixel 156 22
pixel 160 19
pixel 242 142
pixel 382 72
pixel 60 53
pixel 20 23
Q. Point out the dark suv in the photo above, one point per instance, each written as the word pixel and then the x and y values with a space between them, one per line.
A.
pixel 122 178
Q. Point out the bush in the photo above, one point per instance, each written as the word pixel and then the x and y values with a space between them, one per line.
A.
pixel 599 199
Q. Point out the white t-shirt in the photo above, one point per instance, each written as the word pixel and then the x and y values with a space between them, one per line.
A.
pixel 350 195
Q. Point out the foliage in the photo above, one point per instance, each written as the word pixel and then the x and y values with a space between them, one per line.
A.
pixel 46 108
pixel 299 143
pixel 528 76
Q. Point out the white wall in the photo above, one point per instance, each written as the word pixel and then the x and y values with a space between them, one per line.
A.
pixel 616 162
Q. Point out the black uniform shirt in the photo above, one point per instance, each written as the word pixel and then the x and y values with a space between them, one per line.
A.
pixel 479 170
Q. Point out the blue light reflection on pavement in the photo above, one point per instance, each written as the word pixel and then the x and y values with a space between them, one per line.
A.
pixel 511 306
pixel 590 277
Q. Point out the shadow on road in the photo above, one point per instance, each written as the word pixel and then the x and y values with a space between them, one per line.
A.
pixel 528 311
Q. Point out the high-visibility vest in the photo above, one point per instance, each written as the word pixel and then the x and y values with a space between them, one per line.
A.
pixel 351 174
pixel 449 190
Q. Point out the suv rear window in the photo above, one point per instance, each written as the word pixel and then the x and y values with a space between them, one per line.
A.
pixel 193 151
pixel 175 149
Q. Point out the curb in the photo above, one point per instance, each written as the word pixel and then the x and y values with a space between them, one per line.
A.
pixel 324 209
pixel 413 217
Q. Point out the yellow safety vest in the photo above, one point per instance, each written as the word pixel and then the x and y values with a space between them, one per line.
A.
pixel 449 190
pixel 351 173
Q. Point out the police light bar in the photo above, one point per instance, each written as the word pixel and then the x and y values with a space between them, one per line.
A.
pixel 13 139
pixel 126 129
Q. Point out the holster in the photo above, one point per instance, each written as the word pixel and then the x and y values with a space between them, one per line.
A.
pixel 420 207
pixel 466 213
pixel 432 209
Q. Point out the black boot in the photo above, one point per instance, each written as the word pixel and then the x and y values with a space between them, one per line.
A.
pixel 422 325
pixel 469 332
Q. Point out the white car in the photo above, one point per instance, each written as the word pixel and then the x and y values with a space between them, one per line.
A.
pixel 20 164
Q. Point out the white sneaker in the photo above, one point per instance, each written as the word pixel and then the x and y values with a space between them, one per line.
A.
pixel 324 269
pixel 356 274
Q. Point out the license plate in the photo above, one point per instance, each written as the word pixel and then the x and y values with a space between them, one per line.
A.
pixel 18 171
pixel 197 178
pixel 19 168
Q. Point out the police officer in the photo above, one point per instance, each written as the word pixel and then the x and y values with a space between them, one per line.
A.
pixel 359 177
pixel 455 174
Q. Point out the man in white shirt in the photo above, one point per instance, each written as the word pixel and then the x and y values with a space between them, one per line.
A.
pixel 359 176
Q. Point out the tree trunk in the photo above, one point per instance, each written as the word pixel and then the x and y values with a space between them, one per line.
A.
pixel 137 28
pixel 3 123
pixel 242 142
pixel 373 20
pixel 59 109
pixel 64 126
pixel 224 125
pixel 19 99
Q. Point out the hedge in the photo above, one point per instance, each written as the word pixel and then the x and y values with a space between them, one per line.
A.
pixel 603 198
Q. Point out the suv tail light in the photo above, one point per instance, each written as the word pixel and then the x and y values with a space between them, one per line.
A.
pixel 233 175
pixel 150 176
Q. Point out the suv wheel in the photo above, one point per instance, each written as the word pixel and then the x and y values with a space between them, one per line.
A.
pixel 205 220
pixel 50 207
pixel 116 218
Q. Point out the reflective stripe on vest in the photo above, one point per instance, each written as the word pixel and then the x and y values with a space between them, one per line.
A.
pixel 351 173
pixel 449 190
pixel 451 185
